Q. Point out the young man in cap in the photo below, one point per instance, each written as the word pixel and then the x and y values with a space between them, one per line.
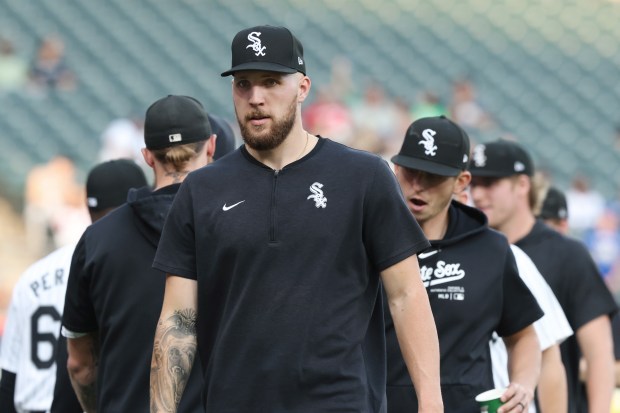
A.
pixel 33 324
pixel 470 275
pixel 114 295
pixel 282 246
pixel 502 188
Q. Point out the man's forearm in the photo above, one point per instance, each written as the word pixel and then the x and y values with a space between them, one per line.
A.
pixel 82 366
pixel 417 337
pixel 552 388
pixel 600 382
pixel 596 344
pixel 173 357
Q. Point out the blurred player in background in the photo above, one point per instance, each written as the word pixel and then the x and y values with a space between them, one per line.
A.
pixel 33 325
pixel 504 189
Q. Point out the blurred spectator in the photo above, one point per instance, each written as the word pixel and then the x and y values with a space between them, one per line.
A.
pixel 53 214
pixel 329 117
pixel 123 138
pixel 49 69
pixel 585 205
pixel 341 83
pixel 603 241
pixel 465 109
pixel 376 118
pixel 13 69
pixel 427 105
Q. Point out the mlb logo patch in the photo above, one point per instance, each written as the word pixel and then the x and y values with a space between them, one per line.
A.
pixel 175 137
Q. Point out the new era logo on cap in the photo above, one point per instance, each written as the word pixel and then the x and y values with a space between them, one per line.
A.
pixel 435 145
pixel 268 48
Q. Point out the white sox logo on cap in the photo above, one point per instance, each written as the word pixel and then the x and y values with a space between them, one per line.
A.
pixel 429 142
pixel 256 44
pixel 479 157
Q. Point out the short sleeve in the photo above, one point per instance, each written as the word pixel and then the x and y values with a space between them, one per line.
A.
pixel 588 294
pixel 390 231
pixel 176 251
pixel 79 314
pixel 520 308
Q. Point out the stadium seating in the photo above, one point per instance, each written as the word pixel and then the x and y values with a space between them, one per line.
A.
pixel 547 71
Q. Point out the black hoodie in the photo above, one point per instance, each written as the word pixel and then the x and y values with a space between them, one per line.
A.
pixel 474 289
pixel 114 290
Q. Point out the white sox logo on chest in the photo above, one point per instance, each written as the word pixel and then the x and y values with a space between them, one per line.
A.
pixel 320 201
pixel 256 44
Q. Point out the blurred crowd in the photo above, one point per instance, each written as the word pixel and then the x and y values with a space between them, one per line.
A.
pixel 46 70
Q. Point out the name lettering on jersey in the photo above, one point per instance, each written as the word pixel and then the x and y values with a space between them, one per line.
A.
pixel 48 281
pixel 256 44
pixel 429 142
pixel 320 201
pixel 442 273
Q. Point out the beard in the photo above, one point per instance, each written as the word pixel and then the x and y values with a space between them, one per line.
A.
pixel 257 140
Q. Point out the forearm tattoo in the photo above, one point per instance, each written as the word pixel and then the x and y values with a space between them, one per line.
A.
pixel 87 391
pixel 173 356
pixel 88 396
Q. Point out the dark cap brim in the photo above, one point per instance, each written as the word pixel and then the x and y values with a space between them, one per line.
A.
pixel 425 166
pixel 485 173
pixel 266 66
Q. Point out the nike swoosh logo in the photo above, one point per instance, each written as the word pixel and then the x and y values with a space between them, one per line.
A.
pixel 226 208
pixel 427 254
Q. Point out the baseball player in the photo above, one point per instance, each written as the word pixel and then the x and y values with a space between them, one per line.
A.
pixel 502 187
pixel 33 323
pixel 470 275
pixel 113 293
pixel 276 255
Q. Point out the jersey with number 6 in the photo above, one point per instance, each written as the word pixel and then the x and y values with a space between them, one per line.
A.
pixel 32 329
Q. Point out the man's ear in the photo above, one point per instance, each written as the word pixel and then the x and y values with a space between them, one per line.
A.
pixel 304 88
pixel 462 182
pixel 210 146
pixel 148 157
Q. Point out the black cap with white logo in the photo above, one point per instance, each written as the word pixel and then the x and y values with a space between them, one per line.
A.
pixel 500 159
pixel 435 145
pixel 175 120
pixel 554 206
pixel 270 48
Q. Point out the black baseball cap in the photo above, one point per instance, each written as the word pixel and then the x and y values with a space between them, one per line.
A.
pixel 436 145
pixel 225 136
pixel 175 120
pixel 500 159
pixel 554 206
pixel 107 183
pixel 270 48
